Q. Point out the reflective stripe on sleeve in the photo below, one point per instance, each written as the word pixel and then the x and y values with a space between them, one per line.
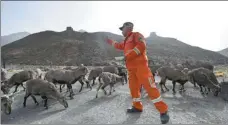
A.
pixel 136 51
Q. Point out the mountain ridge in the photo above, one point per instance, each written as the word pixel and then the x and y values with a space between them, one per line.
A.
pixel 71 47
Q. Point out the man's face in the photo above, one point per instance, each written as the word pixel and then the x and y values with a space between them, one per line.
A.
pixel 125 31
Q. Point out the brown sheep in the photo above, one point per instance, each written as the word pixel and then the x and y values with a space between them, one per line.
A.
pixel 18 79
pixel 45 89
pixel 205 78
pixel 67 77
pixel 94 73
pixel 107 78
pixel 172 74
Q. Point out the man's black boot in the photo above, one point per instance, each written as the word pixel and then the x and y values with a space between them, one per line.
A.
pixel 164 117
pixel 133 110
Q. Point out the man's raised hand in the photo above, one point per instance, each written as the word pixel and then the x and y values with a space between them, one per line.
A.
pixel 109 41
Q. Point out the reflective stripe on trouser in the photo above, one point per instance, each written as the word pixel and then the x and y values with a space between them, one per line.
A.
pixel 137 76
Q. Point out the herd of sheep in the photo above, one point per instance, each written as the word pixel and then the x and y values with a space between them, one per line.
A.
pixel 46 86
pixel 44 83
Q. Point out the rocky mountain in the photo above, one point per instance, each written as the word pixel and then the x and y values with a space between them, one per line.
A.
pixel 71 47
pixel 173 50
pixel 13 37
pixel 68 47
pixel 224 52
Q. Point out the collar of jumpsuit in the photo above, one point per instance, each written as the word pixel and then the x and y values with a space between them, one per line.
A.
pixel 128 34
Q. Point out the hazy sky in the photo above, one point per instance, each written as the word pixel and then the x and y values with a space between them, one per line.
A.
pixel 203 23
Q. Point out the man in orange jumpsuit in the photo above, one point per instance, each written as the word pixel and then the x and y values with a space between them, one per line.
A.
pixel 134 47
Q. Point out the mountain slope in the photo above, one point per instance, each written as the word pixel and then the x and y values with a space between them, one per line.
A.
pixel 224 52
pixel 165 50
pixel 13 37
pixel 70 47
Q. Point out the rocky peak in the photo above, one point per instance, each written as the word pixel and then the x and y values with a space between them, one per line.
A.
pixel 69 28
pixel 153 34
pixel 69 31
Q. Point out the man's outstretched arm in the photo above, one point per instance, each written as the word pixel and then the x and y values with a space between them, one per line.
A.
pixel 117 45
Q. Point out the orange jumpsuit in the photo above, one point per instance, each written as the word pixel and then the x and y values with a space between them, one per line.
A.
pixel 134 47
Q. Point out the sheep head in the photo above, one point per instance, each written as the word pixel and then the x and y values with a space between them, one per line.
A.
pixel 62 101
pixel 5 88
pixel 54 94
pixel 6 103
pixel 216 89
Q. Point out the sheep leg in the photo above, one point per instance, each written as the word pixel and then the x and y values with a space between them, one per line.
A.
pixel 183 88
pixel 34 99
pixel 165 87
pixel 25 99
pixel 16 88
pixel 94 78
pixel 201 89
pixel 83 79
pixel 69 86
pixel 194 83
pixel 68 90
pixel 209 89
pixel 98 89
pixel 104 89
pixel 88 85
pixel 45 101
pixel 22 86
pixel 99 79
pixel 82 83
pixel 60 88
pixel 162 82
pixel 162 90
pixel 111 87
pixel 180 87
pixel 125 77
pixel 206 90
pixel 174 86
